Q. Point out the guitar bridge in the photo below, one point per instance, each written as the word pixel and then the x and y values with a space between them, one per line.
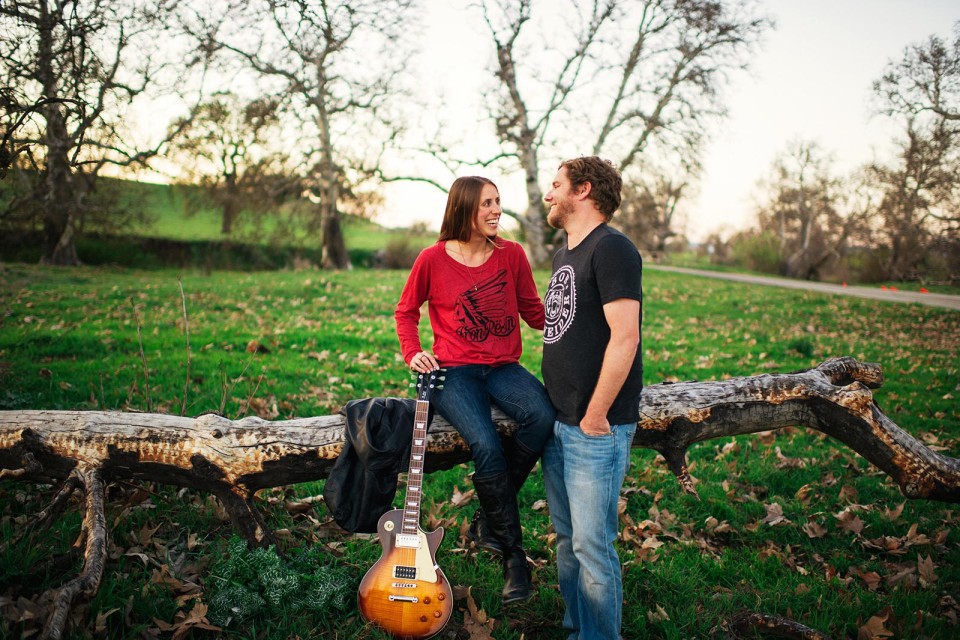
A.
pixel 412 599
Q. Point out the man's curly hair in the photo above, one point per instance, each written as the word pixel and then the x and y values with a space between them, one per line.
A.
pixel 604 179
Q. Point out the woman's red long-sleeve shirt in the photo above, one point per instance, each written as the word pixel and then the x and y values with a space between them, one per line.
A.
pixel 474 311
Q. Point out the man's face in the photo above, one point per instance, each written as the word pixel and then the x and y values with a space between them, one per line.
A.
pixel 559 199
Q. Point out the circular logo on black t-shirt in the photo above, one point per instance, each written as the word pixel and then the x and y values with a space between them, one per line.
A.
pixel 560 304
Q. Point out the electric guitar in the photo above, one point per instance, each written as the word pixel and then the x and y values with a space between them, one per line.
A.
pixel 405 593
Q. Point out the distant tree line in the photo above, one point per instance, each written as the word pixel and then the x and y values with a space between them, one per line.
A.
pixel 301 110
pixel 890 220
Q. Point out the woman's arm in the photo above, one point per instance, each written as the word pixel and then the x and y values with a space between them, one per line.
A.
pixel 407 312
pixel 528 300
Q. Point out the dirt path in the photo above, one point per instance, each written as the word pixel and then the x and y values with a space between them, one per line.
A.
pixel 932 299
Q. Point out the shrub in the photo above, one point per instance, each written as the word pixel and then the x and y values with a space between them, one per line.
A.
pixel 249 582
pixel 756 251
pixel 398 254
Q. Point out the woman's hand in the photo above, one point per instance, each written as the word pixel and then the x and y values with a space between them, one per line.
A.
pixel 424 362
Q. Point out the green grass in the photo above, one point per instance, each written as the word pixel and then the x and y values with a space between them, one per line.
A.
pixel 69 340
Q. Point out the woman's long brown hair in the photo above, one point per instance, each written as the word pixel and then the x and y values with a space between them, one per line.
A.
pixel 462 204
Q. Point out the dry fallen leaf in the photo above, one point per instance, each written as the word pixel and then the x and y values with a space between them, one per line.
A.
pixel 848 493
pixel 874 628
pixel 914 538
pixel 893 514
pixel 459 499
pixel 100 624
pixel 775 515
pixel 660 615
pixel 871 579
pixel 925 567
pixel 814 529
pixel 254 346
pixel 850 522
pixel 803 494
pixel 476 621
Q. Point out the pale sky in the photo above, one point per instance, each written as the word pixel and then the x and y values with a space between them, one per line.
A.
pixel 811 80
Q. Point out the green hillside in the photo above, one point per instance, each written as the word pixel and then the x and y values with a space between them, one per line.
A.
pixel 180 226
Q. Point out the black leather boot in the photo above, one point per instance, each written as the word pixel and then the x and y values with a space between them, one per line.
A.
pixel 499 502
pixel 479 534
pixel 520 462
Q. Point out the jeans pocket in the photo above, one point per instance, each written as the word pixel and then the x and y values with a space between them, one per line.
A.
pixel 593 436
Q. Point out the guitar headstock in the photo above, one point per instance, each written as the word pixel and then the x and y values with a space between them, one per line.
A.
pixel 427 382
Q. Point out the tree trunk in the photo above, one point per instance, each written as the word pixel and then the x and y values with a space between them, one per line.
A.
pixel 534 220
pixel 235 459
pixel 334 255
pixel 231 202
pixel 58 202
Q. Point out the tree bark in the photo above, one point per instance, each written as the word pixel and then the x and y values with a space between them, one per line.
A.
pixel 57 201
pixel 235 458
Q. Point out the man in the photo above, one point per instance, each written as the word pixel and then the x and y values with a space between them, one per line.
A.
pixel 592 365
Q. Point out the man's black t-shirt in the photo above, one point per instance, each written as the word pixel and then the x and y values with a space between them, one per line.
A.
pixel 604 267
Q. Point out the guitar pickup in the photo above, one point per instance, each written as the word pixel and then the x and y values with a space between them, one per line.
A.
pixel 405 573
pixel 407 541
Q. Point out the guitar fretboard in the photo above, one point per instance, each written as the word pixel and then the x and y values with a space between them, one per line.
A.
pixel 418 448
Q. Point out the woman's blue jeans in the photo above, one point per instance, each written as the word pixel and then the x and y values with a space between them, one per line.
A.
pixel 464 401
pixel 583 475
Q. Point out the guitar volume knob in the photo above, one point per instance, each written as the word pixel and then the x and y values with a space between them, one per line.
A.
pixel 426 600
pixel 423 618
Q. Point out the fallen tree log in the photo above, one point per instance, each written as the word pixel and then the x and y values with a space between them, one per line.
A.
pixel 234 459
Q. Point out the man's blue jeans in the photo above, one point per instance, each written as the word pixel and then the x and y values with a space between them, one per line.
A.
pixel 583 475
pixel 464 401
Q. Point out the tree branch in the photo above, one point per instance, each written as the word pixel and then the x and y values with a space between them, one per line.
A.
pixel 235 459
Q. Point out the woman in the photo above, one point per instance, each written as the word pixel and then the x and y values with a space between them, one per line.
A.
pixel 478 287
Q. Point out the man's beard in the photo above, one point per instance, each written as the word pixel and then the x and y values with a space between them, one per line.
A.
pixel 558 215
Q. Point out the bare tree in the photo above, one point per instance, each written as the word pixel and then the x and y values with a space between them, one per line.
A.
pixel 925 80
pixel 804 209
pixel 627 78
pixel 920 207
pixel 83 62
pixel 920 197
pixel 228 148
pixel 649 211
pixel 337 61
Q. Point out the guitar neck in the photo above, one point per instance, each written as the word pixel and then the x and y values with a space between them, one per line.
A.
pixel 418 449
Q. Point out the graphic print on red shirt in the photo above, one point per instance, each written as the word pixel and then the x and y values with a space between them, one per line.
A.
pixel 482 310
pixel 475 312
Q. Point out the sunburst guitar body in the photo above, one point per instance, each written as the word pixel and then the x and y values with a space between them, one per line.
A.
pixel 405 593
